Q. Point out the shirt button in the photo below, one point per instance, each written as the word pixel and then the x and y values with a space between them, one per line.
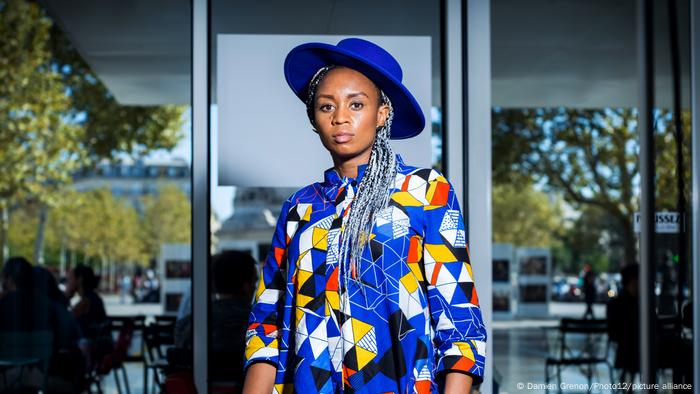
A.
pixel 353 183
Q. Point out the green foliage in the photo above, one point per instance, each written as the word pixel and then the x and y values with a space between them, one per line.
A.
pixel 100 226
pixel 38 148
pixel 591 157
pixel 524 216
pixel 57 117
pixel 167 218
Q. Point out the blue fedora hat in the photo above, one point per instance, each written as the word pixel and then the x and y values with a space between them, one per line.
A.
pixel 371 60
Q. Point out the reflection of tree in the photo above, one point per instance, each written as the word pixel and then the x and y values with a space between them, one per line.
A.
pixel 167 218
pixel 524 216
pixel 589 156
pixel 39 147
pixel 56 116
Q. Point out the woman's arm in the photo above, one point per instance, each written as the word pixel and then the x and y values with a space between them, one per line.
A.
pixel 460 334
pixel 458 383
pixel 260 378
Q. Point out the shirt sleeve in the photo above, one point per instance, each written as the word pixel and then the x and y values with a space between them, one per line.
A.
pixel 458 326
pixel 263 324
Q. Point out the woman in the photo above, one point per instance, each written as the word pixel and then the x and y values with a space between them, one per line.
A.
pixel 90 310
pixel 368 286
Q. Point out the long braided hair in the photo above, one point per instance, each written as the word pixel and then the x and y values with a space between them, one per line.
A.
pixel 373 192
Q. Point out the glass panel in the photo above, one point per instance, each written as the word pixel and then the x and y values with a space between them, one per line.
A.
pixel 95 192
pixel 567 190
pixel 244 217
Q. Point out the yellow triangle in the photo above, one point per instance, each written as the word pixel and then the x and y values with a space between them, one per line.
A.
pixel 333 299
pixel 409 282
pixel 307 214
pixel 253 346
pixel 299 313
pixel 415 268
pixel 302 277
pixel 302 300
pixel 440 253
pixel 465 349
pixel 320 238
pixel 359 329
pixel 261 287
pixel 364 356
pixel 432 186
pixel 406 199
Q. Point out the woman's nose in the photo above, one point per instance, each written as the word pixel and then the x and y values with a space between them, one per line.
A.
pixel 340 115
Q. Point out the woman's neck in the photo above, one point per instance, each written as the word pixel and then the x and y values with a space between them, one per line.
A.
pixel 348 168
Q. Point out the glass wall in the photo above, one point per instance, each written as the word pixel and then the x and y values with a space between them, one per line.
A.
pixel 94 194
pixel 566 194
pixel 253 109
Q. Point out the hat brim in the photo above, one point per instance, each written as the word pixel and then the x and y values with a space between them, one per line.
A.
pixel 304 61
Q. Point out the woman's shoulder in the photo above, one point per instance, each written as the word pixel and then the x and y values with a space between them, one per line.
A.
pixel 418 175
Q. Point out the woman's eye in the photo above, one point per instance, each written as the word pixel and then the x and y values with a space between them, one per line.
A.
pixel 356 105
pixel 325 107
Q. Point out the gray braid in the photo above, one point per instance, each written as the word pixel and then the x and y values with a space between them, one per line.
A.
pixel 373 195
pixel 374 191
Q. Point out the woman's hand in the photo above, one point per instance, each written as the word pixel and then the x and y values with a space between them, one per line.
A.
pixel 458 383
pixel 260 378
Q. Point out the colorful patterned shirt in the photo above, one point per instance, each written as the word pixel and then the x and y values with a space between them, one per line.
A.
pixel 411 316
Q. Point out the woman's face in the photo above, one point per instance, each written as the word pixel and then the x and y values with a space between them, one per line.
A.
pixel 347 114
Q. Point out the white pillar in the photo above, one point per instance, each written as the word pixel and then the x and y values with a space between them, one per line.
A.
pixel 474 140
pixel 200 191
pixel 695 173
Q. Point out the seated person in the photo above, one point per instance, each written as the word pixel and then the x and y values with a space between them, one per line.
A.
pixel 234 275
pixel 24 309
pixel 67 364
pixel 90 313
pixel 90 310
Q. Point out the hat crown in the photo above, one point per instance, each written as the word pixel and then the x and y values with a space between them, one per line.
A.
pixel 373 53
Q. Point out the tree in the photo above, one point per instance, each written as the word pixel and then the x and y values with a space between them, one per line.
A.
pixel 525 216
pixel 167 218
pixel 590 156
pixel 109 230
pixel 39 147
pixel 57 116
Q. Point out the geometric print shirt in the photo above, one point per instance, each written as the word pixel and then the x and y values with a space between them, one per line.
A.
pixel 412 314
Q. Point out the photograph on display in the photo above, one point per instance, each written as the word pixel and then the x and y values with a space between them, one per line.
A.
pixel 501 270
pixel 533 293
pixel 533 265
pixel 178 269
pixel 501 301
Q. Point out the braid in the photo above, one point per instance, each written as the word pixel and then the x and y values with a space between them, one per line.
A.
pixel 373 195
pixel 373 192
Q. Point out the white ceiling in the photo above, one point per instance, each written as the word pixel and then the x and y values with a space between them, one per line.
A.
pixel 577 53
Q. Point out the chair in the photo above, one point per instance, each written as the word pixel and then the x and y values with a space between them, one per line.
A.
pixel 158 336
pixel 24 349
pixel 578 342
pixel 115 360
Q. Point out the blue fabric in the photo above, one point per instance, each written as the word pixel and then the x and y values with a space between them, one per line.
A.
pixel 411 314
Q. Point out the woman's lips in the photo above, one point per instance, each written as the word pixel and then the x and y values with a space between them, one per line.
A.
pixel 342 137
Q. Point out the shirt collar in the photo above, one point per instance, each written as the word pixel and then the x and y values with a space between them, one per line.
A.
pixel 331 176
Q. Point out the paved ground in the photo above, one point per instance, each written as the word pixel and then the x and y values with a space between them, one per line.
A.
pixel 520 349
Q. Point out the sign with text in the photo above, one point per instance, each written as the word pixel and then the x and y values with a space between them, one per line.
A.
pixel 666 222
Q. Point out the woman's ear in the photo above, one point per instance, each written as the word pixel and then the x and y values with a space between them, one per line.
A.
pixel 382 115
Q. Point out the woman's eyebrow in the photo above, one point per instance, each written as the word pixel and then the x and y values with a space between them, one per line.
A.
pixel 351 95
